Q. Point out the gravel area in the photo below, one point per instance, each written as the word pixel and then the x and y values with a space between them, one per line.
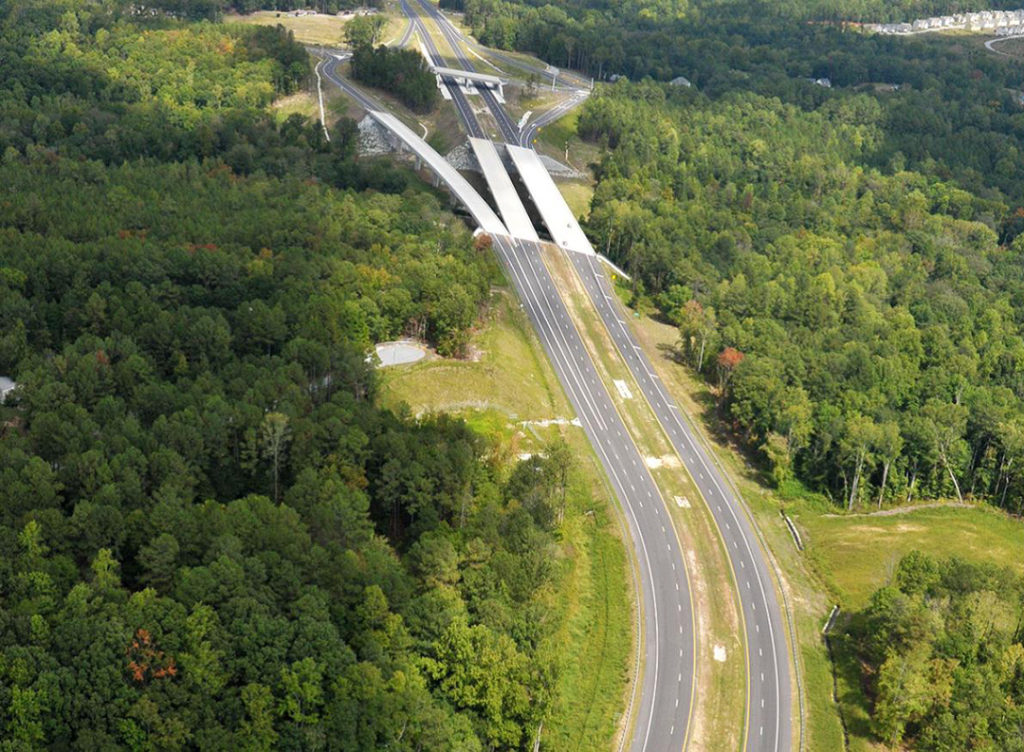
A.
pixel 461 158
pixel 372 139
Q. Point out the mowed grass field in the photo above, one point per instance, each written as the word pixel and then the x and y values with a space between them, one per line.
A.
pixel 856 554
pixel 318 28
pixel 507 391
pixel 508 374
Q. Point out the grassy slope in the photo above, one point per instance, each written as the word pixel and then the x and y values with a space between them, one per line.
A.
pixel 314 29
pixel 503 394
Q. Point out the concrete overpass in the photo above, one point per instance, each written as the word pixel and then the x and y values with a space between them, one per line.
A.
pixel 502 190
pixel 403 138
pixel 466 78
pixel 557 216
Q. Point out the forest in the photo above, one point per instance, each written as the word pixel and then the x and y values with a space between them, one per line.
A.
pixel 832 221
pixel 404 73
pixel 843 262
pixel 210 534
pixel 701 39
pixel 861 326
pixel 943 645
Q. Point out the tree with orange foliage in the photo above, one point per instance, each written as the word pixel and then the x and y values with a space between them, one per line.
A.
pixel 728 360
pixel 145 661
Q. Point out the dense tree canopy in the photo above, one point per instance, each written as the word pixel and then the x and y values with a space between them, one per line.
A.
pixel 402 72
pixel 210 535
pixel 878 312
pixel 943 656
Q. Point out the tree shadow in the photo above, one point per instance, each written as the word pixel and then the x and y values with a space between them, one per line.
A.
pixel 715 426
pixel 851 685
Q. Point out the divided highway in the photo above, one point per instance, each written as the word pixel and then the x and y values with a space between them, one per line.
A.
pixel 661 717
pixel 768 681
pixel 458 97
pixel 663 709
pixel 509 130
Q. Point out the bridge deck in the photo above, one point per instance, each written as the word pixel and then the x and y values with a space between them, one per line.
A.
pixel 464 192
pixel 510 206
pixel 557 215
pixel 482 78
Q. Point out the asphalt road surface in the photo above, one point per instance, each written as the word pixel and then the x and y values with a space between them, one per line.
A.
pixel 662 713
pixel 458 97
pixel 509 130
pixel 329 65
pixel 768 685
pixel 529 133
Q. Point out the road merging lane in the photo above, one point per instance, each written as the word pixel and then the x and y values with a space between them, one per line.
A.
pixel 768 681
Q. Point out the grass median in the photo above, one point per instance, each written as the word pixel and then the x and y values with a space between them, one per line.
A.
pixel 717 719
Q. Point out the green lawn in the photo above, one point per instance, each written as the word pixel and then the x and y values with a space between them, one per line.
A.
pixel 577 195
pixel 595 598
pixel 510 374
pixel 319 28
pixel 855 555
pixel 720 686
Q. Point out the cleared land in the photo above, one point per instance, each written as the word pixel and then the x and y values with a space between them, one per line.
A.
pixel 508 392
pixel 861 551
pixel 314 28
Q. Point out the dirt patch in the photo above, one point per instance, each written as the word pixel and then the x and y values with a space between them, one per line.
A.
pixel 907 509
pixel 909 528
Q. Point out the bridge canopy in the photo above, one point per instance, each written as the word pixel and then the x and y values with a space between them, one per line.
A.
pixel 557 215
pixel 509 204
pixel 484 215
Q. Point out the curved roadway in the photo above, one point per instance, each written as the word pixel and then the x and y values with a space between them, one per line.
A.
pixel 768 681
pixel 662 714
pixel 661 717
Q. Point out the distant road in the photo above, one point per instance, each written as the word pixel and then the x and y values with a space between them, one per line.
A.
pixel 458 97
pixel 404 41
pixel 329 68
pixel 509 130
pixel 529 133
pixel 989 44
